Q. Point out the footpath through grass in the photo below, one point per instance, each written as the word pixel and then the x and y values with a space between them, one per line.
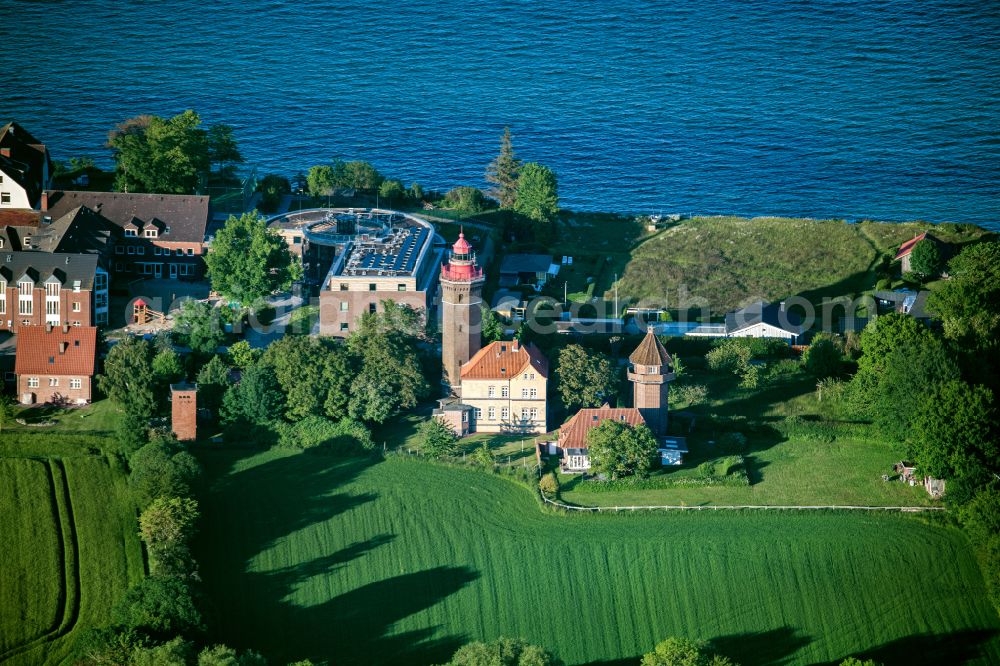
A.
pixel 362 561
pixel 68 538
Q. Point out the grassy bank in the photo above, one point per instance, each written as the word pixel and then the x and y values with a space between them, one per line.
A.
pixel 400 561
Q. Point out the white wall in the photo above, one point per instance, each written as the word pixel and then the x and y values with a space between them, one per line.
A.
pixel 762 330
pixel 18 195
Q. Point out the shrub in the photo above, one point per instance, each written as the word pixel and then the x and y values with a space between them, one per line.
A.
pixel 436 438
pixel 549 484
pixel 884 284
pixel 162 469
pixel 159 606
pixel 733 441
pixel 466 199
pixel 483 456
pixel 166 526
pixel 689 394
pixel 346 435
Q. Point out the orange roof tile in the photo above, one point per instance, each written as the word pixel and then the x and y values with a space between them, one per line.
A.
pixel 40 351
pixel 908 246
pixel 573 435
pixel 505 359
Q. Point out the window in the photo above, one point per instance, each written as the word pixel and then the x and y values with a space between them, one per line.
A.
pixel 76 306
pixel 140 250
pixel 131 250
pixel 504 392
pixel 179 252
pixel 24 288
pixel 400 287
pixel 27 241
pixel 51 307
pixel 76 286
pixel 297 240
pixel 53 381
pixel 372 287
pixel 186 269
pixel 343 286
pixel 119 266
pixel 32 382
pixel 156 250
pixel 51 290
pixel 76 383
pixel 150 233
pixel 492 413
pixel 3 305
pixel 533 393
pixel 76 323
pixel 479 413
pixel 343 326
pixel 101 281
pixel 4 197
pixel 343 306
pixel 190 252
pixel 504 413
pixel 130 233
pixel 491 392
pixel 372 308
pixel 1 242
pixel 524 393
pixel 119 249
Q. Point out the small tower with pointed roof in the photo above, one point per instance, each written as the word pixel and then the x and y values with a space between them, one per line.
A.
pixel 651 370
pixel 461 295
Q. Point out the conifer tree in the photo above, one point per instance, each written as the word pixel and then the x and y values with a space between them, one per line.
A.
pixel 503 172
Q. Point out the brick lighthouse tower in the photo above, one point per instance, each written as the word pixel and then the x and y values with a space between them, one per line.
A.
pixel 461 295
pixel 650 369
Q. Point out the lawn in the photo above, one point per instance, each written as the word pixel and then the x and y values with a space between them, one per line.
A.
pixel 362 561
pixel 67 534
pixel 724 262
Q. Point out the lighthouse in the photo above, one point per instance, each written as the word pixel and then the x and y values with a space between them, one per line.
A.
pixel 461 320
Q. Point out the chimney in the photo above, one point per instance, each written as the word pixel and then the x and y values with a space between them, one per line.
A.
pixel 65 328
pixel 63 346
pixel 5 151
pixel 45 200
pixel 516 346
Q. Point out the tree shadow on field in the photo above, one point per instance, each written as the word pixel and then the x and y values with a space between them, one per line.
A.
pixel 775 646
pixel 262 539
pixel 957 647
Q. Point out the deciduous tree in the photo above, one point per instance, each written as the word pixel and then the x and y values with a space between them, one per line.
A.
pixel 492 327
pixel 952 434
pixel 222 148
pixel 391 191
pixel 538 196
pixel 683 652
pixel 159 606
pixel 199 326
pixel 166 527
pixel 249 262
pixel 619 449
pixel 127 371
pixel 213 381
pixel 584 378
pixel 925 259
pixel 162 469
pixel 822 358
pixel 257 399
pixel 436 438
pixel 502 652
pixel 155 154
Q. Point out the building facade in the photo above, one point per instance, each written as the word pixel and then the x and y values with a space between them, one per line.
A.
pixel 378 256
pixel 506 385
pixel 41 289
pixel 25 168
pixel 55 364
pixel 461 317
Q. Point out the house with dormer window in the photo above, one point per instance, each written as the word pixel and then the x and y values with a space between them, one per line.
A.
pixel 38 289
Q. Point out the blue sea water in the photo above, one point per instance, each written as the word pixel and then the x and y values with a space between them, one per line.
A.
pixel 838 108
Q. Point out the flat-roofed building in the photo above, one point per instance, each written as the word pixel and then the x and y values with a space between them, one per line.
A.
pixel 380 255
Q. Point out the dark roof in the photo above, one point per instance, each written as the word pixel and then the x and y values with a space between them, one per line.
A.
pixel 772 314
pixel 650 352
pixel 69 350
pixel 526 263
pixel 505 359
pixel 178 217
pixel 81 230
pixel 40 266
pixel 27 162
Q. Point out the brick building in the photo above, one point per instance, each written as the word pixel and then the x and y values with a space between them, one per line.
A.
pixel 148 235
pixel 38 289
pixel 55 364
pixel 184 411
pixel 651 369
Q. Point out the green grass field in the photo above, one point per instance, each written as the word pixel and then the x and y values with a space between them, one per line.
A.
pixel 726 261
pixel 67 537
pixel 364 562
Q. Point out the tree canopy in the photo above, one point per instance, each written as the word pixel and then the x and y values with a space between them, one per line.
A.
pixel 249 262
pixel 222 148
pixel 953 432
pixel 584 378
pixel 683 652
pixel 619 449
pixel 503 172
pixel 822 358
pixel 926 259
pixel 257 399
pixel 127 371
pixel 502 652
pixel 436 438
pixel 164 155
pixel 538 196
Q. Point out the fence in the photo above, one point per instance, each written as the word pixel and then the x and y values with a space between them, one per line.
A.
pixel 734 507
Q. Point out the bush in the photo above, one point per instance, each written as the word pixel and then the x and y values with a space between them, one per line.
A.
pixel 160 607
pixel 549 484
pixel 346 436
pixel 467 199
pixel 689 394
pixel 162 469
pixel 265 315
pixel 733 441
pixel 436 438
pixel 885 284
pixel 271 188
pixel 166 527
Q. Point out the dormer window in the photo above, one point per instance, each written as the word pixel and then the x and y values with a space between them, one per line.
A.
pixel 76 286
pixel 130 232
pixel 151 233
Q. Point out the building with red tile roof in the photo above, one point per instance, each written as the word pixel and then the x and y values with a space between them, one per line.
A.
pixel 56 364
pixel 506 384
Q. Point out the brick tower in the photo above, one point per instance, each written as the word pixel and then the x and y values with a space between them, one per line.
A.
pixel 461 295
pixel 650 369
pixel 184 411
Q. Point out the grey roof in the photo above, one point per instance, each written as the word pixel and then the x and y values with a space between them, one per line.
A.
pixel 526 263
pixel 81 230
pixel 178 217
pixel 767 313
pixel 28 157
pixel 40 266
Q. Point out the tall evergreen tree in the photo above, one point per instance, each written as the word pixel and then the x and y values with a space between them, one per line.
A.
pixel 503 172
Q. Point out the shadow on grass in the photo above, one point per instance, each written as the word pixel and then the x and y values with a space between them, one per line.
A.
pixel 957 647
pixel 758 648
pixel 273 587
